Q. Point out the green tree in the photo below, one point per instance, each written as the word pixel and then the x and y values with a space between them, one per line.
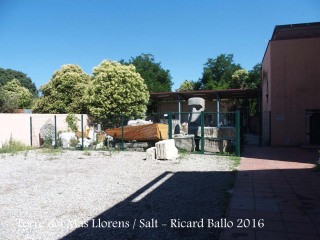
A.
pixel 217 73
pixel 116 89
pixel 13 96
pixel 240 79
pixel 155 77
pixel 187 85
pixel 64 92
pixel 6 75
pixel 254 80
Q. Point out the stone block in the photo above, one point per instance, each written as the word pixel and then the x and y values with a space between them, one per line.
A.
pixel 166 150
pixel 151 154
pixel 185 142
pixel 136 145
pixel 218 132
pixel 216 145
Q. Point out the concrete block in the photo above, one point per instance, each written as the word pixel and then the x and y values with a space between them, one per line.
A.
pixel 166 150
pixel 151 154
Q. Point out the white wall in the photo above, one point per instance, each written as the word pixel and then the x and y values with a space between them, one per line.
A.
pixel 17 126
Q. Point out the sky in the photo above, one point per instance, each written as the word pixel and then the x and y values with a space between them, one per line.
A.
pixel 37 37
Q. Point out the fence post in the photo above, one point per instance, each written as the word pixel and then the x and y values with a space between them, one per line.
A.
pixel 122 133
pixel 31 131
pixel 238 133
pixel 82 133
pixel 170 124
pixel 55 131
pixel 202 132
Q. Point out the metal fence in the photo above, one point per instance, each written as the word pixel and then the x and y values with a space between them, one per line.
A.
pixel 209 132
pixel 203 132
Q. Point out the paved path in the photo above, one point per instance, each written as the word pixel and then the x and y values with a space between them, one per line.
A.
pixel 279 186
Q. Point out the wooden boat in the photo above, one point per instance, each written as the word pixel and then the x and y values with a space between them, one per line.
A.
pixel 148 132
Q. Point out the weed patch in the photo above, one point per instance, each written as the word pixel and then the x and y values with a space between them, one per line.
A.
pixel 13 146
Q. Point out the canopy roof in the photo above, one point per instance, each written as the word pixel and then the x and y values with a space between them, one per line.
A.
pixel 207 94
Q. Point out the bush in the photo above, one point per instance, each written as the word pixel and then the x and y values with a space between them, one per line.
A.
pixel 13 146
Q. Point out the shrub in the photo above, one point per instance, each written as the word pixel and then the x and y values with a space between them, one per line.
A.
pixel 72 120
pixel 13 146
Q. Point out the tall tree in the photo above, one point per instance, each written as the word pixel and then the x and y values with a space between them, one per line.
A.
pixel 116 89
pixel 6 75
pixel 64 92
pixel 155 77
pixel 217 73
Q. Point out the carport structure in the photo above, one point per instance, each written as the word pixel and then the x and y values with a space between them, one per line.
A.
pixel 177 101
pixel 166 102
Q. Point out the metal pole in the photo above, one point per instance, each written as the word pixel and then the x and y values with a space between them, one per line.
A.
pixel 31 131
pixel 238 133
pixel 55 131
pixel 202 132
pixel 179 108
pixel 170 124
pixel 218 110
pixel 82 133
pixel 122 133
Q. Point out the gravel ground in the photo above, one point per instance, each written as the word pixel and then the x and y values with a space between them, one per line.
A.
pixel 111 195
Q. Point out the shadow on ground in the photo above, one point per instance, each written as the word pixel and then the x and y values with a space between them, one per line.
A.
pixel 185 196
pixel 280 188
pixel 284 192
pixel 288 154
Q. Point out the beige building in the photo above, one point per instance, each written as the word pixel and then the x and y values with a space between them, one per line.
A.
pixel 291 86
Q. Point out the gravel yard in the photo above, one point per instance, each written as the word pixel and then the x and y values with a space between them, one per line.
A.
pixel 111 195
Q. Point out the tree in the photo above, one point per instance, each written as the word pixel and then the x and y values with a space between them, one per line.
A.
pixel 64 92
pixel 217 73
pixel 155 77
pixel 240 79
pixel 254 80
pixel 6 75
pixel 187 85
pixel 13 96
pixel 116 89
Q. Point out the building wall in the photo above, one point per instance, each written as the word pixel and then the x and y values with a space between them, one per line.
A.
pixel 17 126
pixel 266 95
pixel 294 76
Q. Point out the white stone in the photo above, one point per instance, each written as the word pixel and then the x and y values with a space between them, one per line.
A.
pixel 66 138
pixel 100 145
pixel 151 154
pixel 86 142
pixel 166 150
pixel 138 122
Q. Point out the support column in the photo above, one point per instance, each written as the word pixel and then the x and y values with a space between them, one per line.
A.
pixel 179 108
pixel 218 109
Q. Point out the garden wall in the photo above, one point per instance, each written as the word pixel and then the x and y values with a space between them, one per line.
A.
pixel 17 126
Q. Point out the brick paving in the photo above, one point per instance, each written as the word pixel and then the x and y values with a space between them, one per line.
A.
pixel 279 186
